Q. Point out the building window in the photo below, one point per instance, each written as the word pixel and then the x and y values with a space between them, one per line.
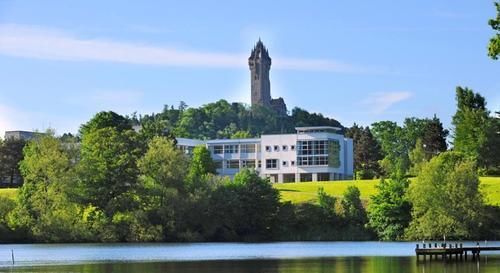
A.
pixel 312 161
pixel 259 164
pixel 218 149
pixel 312 153
pixel 276 148
pixel 232 164
pixel 248 148
pixel 268 148
pixel 292 163
pixel 230 149
pixel 218 164
pixel 284 148
pixel 271 163
pixel 285 163
pixel 248 163
pixel 292 147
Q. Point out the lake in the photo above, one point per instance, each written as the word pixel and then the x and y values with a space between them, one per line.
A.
pixel 232 258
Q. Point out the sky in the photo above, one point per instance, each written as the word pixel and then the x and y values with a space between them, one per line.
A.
pixel 356 61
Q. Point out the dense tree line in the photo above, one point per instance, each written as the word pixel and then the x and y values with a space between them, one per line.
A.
pixel 121 185
pixel 113 183
pixel 227 120
pixel 386 147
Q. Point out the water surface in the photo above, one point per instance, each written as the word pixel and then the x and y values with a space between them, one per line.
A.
pixel 231 257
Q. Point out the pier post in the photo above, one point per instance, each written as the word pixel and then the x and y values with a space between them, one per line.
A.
pixel 418 255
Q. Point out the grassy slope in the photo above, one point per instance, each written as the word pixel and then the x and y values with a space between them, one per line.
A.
pixel 306 191
pixel 490 186
pixel 9 193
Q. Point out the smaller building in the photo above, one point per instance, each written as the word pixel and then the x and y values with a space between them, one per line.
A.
pixel 319 153
pixel 187 145
pixel 17 135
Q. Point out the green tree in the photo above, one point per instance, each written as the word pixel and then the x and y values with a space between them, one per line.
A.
pixel 326 201
pixel 394 145
pixel 43 207
pixel 494 45
pixel 155 126
pixel 108 119
pixel 107 169
pixel 489 151
pixel 469 123
pixel 6 206
pixel 418 157
pixel 352 207
pixel 389 210
pixel 434 137
pixel 163 173
pixel 241 134
pixel 413 129
pixel 165 165
pixel 245 209
pixel 446 199
pixel 11 153
pixel 201 164
pixel 367 152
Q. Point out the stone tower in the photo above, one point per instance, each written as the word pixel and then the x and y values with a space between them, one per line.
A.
pixel 260 64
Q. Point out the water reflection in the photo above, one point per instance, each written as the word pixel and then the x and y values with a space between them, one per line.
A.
pixel 337 264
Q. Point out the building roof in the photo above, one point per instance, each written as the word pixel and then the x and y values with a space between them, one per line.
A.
pixel 189 142
pixel 317 128
pixel 19 134
pixel 233 141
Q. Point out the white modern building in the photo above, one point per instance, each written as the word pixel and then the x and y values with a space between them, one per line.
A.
pixel 318 153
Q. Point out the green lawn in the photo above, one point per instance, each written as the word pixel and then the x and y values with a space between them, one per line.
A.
pixel 9 193
pixel 490 186
pixel 307 191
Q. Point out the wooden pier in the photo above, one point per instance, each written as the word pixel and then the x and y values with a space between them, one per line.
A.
pixel 450 252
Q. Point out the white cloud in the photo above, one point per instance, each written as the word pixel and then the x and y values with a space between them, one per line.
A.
pixel 42 43
pixel 381 101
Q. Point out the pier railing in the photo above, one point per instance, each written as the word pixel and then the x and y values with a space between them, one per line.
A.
pixel 450 251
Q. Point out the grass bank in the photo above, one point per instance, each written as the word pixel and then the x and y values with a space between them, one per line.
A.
pixel 9 193
pixel 307 191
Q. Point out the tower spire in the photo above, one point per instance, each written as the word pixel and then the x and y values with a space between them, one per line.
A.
pixel 259 63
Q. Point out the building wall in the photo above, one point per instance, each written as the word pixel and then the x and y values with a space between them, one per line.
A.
pixel 232 154
pixel 25 135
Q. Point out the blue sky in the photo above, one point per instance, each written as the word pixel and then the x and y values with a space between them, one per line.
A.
pixel 356 61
